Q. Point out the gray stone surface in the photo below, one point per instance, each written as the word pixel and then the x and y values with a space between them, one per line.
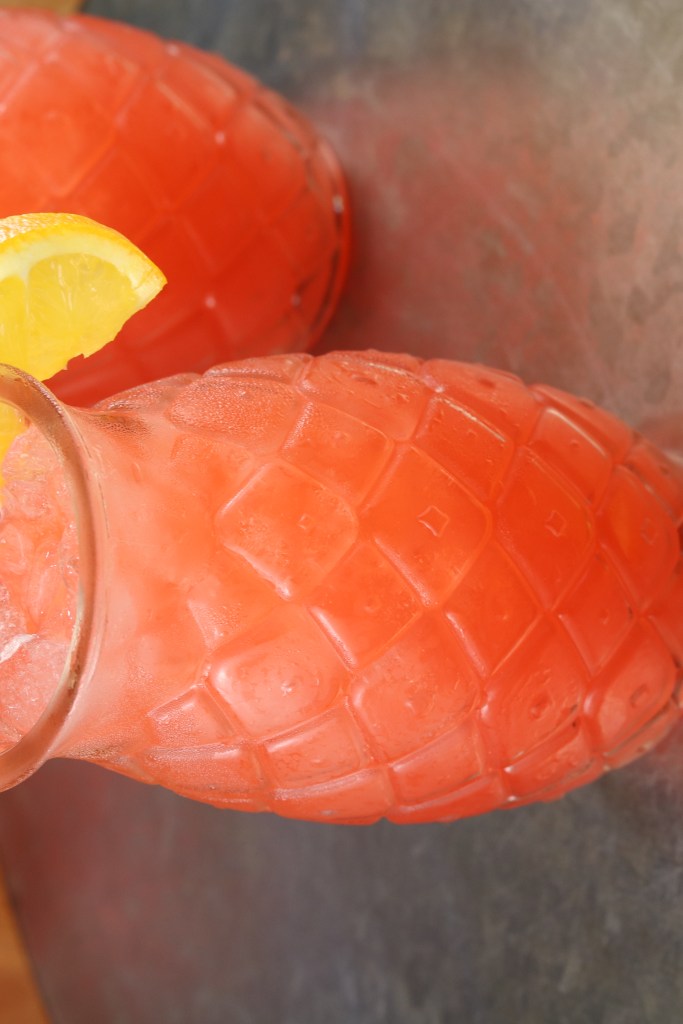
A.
pixel 516 175
pixel 142 907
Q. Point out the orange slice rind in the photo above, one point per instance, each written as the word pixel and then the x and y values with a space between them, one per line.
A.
pixel 67 286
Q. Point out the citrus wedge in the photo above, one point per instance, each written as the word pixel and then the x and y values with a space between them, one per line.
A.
pixel 67 286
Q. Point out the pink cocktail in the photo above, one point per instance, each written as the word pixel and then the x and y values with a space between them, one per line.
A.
pixel 221 182
pixel 340 588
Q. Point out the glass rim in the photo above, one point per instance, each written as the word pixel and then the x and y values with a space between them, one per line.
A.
pixel 44 411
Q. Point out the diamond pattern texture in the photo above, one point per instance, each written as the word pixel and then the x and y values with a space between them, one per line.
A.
pixel 226 187
pixel 394 628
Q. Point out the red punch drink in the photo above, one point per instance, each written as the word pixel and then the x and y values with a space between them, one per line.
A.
pixel 221 182
pixel 339 588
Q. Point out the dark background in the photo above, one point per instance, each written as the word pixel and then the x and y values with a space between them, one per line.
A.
pixel 516 179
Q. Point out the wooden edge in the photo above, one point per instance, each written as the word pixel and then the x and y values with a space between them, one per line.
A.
pixel 59 6
pixel 20 1001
